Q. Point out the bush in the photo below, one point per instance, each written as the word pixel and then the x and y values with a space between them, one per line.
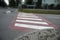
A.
pixel 58 6
pixel 44 6
pixel 51 6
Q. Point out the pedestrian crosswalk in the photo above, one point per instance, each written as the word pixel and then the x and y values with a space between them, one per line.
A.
pixel 31 21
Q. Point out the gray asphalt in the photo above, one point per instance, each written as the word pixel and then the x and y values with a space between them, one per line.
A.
pixel 54 19
pixel 5 32
pixel 8 34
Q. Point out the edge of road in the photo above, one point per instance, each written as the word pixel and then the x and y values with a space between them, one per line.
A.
pixel 13 20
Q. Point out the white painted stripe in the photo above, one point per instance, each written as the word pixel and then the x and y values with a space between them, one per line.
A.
pixel 35 22
pixel 26 16
pixel 29 18
pixel 32 26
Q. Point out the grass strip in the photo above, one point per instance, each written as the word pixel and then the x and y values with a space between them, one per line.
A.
pixel 40 11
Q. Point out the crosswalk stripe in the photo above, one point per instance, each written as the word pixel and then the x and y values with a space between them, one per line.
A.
pixel 29 18
pixel 35 22
pixel 32 20
pixel 32 26
pixel 26 15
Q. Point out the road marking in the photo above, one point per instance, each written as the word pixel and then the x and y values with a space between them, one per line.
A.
pixel 26 16
pixel 29 18
pixel 32 26
pixel 35 22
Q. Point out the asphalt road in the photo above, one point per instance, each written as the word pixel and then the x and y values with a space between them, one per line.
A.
pixel 55 19
pixel 5 18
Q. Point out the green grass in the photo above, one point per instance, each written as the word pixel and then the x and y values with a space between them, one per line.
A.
pixel 40 11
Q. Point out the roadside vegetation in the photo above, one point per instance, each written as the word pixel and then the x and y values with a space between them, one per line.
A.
pixel 40 11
